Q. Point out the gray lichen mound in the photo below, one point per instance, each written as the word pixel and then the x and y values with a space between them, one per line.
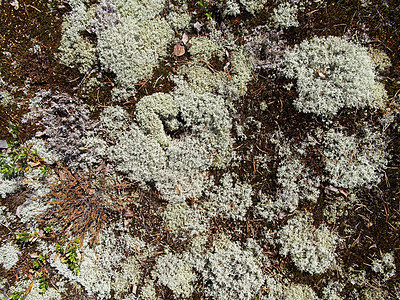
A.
pixel 331 73
pixel 229 199
pixel 75 49
pixel 131 35
pixel 177 166
pixel 151 110
pixel 311 249
pixel 355 160
pixel 138 155
pixel 233 272
pixel 132 49
pixel 173 271
pixel 9 255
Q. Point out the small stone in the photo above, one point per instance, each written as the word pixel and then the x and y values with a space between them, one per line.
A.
pixel 185 38
pixel 197 26
pixel 3 144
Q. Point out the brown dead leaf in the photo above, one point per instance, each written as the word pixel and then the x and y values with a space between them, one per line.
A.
pixel 128 213
pixel 127 221
pixel 344 192
pixel 179 50
pixel 35 164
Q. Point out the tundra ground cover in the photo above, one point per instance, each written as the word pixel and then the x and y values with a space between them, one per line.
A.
pixel 260 162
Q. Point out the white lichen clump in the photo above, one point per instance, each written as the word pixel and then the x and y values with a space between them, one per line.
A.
pixel 285 15
pixel 355 160
pixel 385 266
pixel 233 272
pixel 311 249
pixel 332 73
pixel 9 255
pixel 174 272
pixel 229 199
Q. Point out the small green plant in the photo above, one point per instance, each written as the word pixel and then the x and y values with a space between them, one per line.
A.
pixel 203 4
pixel 204 7
pixel 26 238
pixel 39 262
pixel 43 283
pixel 44 171
pixel 15 296
pixel 48 229
pixel 38 266
pixel 19 158
pixel 68 254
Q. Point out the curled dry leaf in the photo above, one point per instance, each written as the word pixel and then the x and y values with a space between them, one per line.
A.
pixel 179 50
pixel 127 221
pixel 321 74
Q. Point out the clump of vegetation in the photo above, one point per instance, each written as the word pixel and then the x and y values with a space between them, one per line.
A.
pixel 229 199
pixel 231 271
pixel 206 156
pixel 331 73
pixel 385 266
pixel 311 249
pixel 68 254
pixel 267 47
pixel 354 160
pixel 173 271
pixel 285 15
pixel 9 255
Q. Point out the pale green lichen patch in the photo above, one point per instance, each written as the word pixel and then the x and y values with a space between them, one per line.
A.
pixel 132 57
pixel 331 73
pixel 311 249
pixel 355 160
pixel 174 272
pixel 9 255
